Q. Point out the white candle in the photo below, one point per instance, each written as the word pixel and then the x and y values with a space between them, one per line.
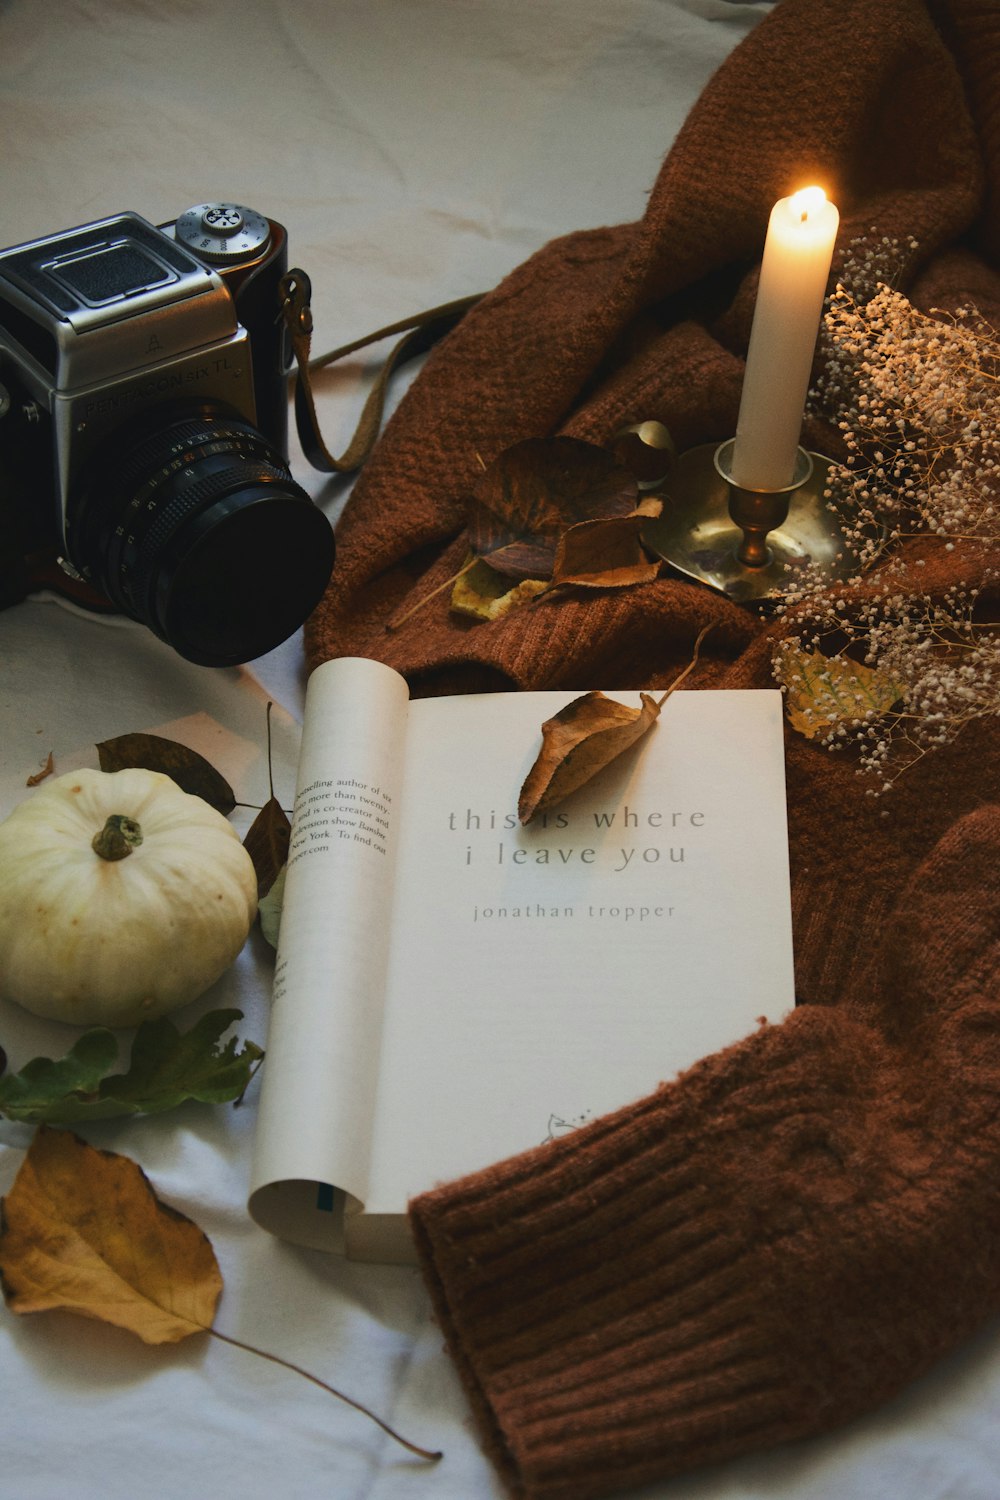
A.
pixel 793 276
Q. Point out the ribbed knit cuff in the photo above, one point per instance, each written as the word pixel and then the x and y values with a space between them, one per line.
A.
pixel 602 1305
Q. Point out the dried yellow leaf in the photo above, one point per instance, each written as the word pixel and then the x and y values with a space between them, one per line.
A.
pixel 484 594
pixel 822 691
pixel 83 1230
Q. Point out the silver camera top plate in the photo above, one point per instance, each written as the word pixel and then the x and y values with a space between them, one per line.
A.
pixel 107 298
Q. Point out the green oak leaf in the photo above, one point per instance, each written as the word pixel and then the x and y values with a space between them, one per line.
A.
pixel 30 1094
pixel 166 1068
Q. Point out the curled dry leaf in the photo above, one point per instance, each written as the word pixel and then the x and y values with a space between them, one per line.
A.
pixel 83 1230
pixel 152 752
pixel 604 553
pixel 587 735
pixel 580 740
pixel 533 491
pixel 607 553
pixel 521 506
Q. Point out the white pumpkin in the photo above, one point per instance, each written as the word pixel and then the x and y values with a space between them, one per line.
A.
pixel 121 898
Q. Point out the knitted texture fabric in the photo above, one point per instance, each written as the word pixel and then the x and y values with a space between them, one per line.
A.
pixel 784 1236
pixel 774 1243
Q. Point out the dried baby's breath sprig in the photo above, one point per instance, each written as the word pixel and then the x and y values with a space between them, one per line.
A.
pixel 936 666
pixel 916 398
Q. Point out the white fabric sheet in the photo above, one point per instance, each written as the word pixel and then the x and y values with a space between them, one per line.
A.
pixel 416 150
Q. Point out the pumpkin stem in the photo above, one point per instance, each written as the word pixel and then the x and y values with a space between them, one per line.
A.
pixel 119 836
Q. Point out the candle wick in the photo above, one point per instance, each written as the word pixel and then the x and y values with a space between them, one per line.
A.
pixel 805 216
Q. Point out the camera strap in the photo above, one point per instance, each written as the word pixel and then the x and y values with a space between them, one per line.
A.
pixel 420 332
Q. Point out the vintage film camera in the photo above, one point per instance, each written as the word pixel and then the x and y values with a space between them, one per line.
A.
pixel 143 430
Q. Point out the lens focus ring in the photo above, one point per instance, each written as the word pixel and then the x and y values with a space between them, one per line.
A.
pixel 194 526
pixel 139 564
pixel 151 481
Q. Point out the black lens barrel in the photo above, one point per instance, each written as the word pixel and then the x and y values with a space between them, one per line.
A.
pixel 195 527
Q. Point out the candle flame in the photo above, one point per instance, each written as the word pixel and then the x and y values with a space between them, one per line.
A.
pixel 806 201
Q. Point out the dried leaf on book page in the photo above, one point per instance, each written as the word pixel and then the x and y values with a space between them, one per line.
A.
pixel 83 1230
pixel 580 740
pixel 587 735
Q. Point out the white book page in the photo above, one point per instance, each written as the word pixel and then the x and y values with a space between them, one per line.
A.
pixel 542 976
pixel 319 1077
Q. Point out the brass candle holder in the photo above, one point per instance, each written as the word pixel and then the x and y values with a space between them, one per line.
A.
pixel 747 544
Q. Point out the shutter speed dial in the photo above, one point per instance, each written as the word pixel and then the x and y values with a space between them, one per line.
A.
pixel 221 233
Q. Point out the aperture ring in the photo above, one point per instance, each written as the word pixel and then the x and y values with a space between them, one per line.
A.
pixel 188 439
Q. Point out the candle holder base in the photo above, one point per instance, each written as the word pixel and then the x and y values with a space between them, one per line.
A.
pixel 783 531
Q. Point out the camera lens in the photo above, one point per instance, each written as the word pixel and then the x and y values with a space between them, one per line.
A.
pixel 197 529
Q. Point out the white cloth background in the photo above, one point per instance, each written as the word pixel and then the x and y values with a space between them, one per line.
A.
pixel 416 150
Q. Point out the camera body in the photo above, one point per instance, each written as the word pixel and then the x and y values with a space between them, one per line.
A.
pixel 143 428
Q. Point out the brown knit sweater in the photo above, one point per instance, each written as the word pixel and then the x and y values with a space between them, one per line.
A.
pixel 784 1236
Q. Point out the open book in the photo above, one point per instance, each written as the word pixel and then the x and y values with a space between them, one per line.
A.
pixel 452 988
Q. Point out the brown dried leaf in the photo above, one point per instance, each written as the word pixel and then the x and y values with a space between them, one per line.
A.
pixel 266 842
pixel 587 735
pixel 83 1230
pixel 580 740
pixel 606 553
pixel 191 771
pixel 533 491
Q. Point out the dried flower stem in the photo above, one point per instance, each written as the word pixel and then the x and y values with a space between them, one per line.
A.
pixel 426 598
pixel 431 1455
pixel 688 669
